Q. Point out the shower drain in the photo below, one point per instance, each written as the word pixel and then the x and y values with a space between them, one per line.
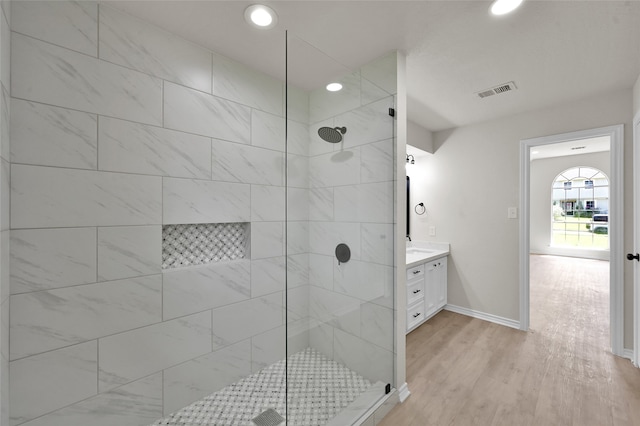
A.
pixel 268 418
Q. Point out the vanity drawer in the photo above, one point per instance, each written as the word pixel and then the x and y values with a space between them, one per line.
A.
pixel 415 315
pixel 415 292
pixel 415 272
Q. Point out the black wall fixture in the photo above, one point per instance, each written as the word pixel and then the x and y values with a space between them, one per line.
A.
pixel 343 253
pixel 408 206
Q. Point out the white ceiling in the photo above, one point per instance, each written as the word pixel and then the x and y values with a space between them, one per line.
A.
pixel 555 51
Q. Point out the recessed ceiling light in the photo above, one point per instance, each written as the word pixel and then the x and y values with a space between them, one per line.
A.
pixel 502 7
pixel 334 87
pixel 261 16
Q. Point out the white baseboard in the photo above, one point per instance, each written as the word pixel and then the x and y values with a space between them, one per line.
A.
pixel 627 353
pixel 484 316
pixel 403 392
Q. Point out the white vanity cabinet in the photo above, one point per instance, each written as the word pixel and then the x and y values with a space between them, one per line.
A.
pixel 426 291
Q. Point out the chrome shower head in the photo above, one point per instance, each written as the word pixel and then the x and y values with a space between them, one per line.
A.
pixel 332 135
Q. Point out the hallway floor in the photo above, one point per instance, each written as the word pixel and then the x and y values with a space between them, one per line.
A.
pixel 464 371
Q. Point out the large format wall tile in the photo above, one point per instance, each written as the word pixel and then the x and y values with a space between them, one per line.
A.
pixel 234 162
pixel 129 251
pixel 237 82
pixel 5 120
pixel 46 382
pixel 44 259
pixel 377 325
pixel 377 161
pixel 128 41
pixel 267 130
pixel 267 239
pixel 378 243
pixel 325 236
pixel 5 194
pixel 52 197
pixel 194 289
pixel 138 148
pixel 383 72
pixel 372 202
pixel 196 112
pixel 371 361
pixel 335 169
pixel 52 136
pixel 45 320
pixel 128 356
pixel 202 376
pixel 370 123
pixel 268 348
pixel 49 74
pixel 335 309
pixel 365 281
pixel 200 201
pixel 5 54
pixel 70 24
pixel 135 404
pixel 267 276
pixel 233 323
pixel 267 203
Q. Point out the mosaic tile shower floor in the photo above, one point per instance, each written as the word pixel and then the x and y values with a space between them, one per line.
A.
pixel 319 388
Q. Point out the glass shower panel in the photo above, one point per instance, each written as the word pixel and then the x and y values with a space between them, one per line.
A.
pixel 340 235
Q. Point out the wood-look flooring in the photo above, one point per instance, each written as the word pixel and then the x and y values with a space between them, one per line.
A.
pixel 464 371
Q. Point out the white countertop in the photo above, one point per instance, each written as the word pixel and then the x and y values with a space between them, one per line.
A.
pixel 424 251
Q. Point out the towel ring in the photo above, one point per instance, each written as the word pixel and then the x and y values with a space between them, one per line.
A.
pixel 420 209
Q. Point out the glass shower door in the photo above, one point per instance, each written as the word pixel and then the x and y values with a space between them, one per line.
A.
pixel 339 235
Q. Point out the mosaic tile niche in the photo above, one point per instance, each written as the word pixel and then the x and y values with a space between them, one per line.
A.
pixel 202 243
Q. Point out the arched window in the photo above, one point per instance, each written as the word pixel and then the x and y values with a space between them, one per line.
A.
pixel 580 209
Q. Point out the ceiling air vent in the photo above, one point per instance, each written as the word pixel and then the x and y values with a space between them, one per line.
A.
pixel 506 87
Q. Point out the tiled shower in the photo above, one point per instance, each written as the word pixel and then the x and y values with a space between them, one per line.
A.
pixel 169 219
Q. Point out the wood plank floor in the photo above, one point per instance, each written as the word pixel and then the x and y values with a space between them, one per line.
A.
pixel 464 371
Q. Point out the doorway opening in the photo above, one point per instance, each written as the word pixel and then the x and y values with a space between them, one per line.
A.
pixel 535 246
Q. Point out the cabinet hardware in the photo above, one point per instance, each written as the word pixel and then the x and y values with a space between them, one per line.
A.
pixel 417 315
pixel 416 291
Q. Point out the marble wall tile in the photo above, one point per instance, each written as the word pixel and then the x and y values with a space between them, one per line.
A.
pixel 317 145
pixel 5 288
pixel 377 161
pixel 138 148
pixel 239 83
pixel 297 303
pixel 45 259
pixel 267 203
pixel 335 169
pixel 371 202
pixel 5 195
pixel 44 197
pixel 383 72
pixel 49 74
pixel 194 289
pixel 203 114
pixel 267 348
pixel 267 239
pixel 267 276
pixel 365 281
pixel 321 337
pixel 297 336
pixel 44 383
pixel 298 204
pixel 337 310
pixel 325 236
pixel 297 270
pixel 297 138
pixel 321 270
pixel 134 354
pixel 297 237
pixel 52 136
pixel 321 204
pixel 325 104
pixel 137 403
pixel 377 243
pixel 369 92
pixel 200 201
pixel 70 24
pixel 267 130
pixel 5 121
pixel 204 375
pixel 369 123
pixel 5 53
pixel 371 361
pixel 233 323
pixel 234 162
pixel 297 171
pixel 4 384
pixel 5 5
pixel 134 43
pixel 377 325
pixel 46 320
pixel 129 251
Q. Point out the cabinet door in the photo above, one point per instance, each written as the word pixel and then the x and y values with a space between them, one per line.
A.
pixel 430 287
pixel 441 279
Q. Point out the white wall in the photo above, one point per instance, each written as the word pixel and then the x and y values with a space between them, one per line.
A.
pixel 419 137
pixel 636 96
pixel 543 172
pixel 473 177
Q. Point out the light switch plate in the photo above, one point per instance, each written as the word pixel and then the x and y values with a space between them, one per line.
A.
pixel 512 213
pixel 432 231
